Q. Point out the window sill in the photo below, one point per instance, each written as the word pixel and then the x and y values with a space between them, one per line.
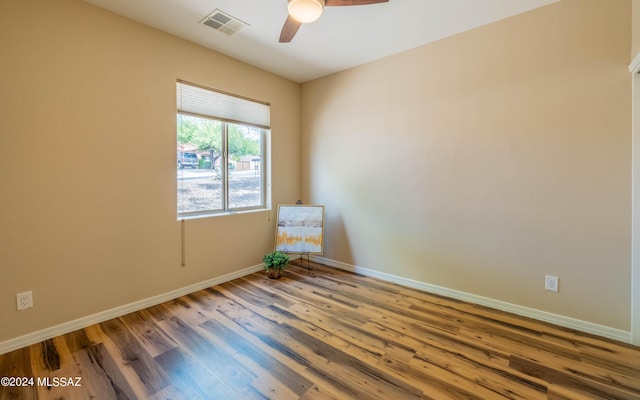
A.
pixel 220 214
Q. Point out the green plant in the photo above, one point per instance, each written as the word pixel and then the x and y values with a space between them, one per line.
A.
pixel 275 262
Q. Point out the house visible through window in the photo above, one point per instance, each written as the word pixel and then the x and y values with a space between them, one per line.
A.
pixel 221 152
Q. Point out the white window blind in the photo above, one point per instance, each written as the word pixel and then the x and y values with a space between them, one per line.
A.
pixel 199 101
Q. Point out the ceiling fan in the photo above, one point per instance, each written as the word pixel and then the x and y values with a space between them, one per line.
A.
pixel 305 11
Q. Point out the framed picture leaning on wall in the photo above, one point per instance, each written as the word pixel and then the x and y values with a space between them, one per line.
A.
pixel 300 229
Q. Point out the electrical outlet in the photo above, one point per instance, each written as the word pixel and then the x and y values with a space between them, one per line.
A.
pixel 24 300
pixel 551 283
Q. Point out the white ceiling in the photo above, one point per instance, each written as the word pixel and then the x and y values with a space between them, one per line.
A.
pixel 342 38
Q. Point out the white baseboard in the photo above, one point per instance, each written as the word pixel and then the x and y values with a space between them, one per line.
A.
pixel 572 323
pixel 48 333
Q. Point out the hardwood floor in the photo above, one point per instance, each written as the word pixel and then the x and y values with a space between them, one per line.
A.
pixel 335 335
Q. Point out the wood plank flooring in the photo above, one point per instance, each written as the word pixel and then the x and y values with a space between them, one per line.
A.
pixel 327 335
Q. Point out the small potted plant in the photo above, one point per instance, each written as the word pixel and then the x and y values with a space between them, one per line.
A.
pixel 274 263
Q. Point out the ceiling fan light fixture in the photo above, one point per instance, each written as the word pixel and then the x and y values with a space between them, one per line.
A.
pixel 305 11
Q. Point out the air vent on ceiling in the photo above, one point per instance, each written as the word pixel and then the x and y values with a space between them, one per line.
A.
pixel 224 22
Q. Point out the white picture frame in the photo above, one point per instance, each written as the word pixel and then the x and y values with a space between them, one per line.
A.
pixel 300 229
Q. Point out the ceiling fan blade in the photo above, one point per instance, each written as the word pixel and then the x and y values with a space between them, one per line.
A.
pixel 289 30
pixel 352 2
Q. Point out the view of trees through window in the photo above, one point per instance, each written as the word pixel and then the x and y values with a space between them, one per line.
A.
pixel 220 165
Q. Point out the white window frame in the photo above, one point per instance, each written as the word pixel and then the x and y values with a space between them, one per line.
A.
pixel 202 102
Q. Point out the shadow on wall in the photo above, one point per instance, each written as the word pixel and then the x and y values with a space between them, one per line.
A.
pixel 334 228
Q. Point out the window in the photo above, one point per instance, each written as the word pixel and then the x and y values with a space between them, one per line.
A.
pixel 221 152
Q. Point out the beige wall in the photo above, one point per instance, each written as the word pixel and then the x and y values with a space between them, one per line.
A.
pixel 635 28
pixel 87 161
pixel 487 160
